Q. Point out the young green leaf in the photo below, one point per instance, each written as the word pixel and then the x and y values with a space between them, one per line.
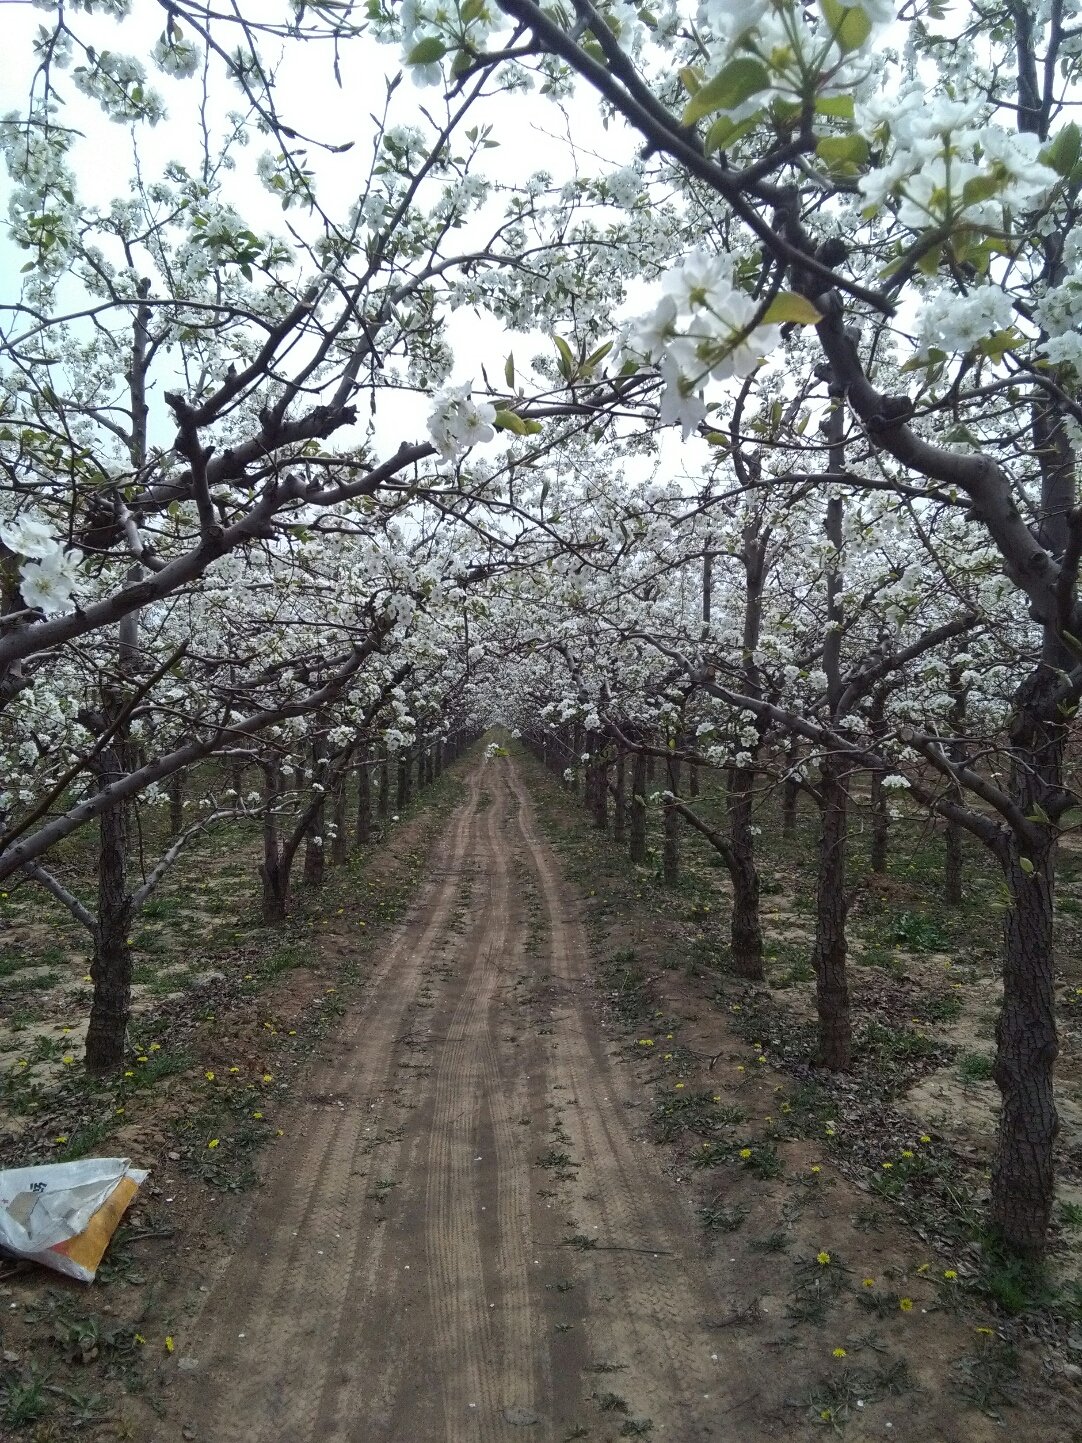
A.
pixel 427 51
pixel 730 87
pixel 849 25
pixel 787 306
pixel 508 421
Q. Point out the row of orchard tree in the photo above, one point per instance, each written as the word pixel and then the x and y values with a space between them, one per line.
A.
pixel 246 522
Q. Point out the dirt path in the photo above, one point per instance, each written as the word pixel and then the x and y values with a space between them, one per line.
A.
pixel 463 1237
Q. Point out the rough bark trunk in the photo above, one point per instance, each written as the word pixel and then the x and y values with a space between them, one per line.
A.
pixel 176 804
pixel 637 844
pixel 110 969
pixel 619 799
pixel 1026 1042
pixel 315 848
pixel 790 791
pixel 272 873
pixel 670 847
pixel 880 824
pixel 402 794
pixel 829 949
pixel 953 865
pixel 364 803
pixel 745 928
pixel 340 845
pixel 1026 1049
pixel 384 791
pixel 601 795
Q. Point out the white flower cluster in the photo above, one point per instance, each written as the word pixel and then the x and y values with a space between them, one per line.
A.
pixel 955 322
pixel 701 329
pixel 173 55
pixel 118 83
pixel 1060 314
pixel 457 422
pixel 48 574
pixel 949 162
pixel 430 31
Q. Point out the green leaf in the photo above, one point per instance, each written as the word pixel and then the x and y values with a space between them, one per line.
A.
pixel 509 370
pixel 595 358
pixel 839 106
pixel 689 79
pixel 716 438
pixel 427 52
pixel 533 428
pixel 981 187
pixel 508 421
pixel 733 84
pixel 841 152
pixel 472 10
pixel 567 360
pixel 725 131
pixel 1062 155
pixel 788 306
pixel 1038 814
pixel 1026 865
pixel 849 25
pixel 999 343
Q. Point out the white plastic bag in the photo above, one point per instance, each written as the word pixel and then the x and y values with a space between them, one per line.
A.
pixel 64 1213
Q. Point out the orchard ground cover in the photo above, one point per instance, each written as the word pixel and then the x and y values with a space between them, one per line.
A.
pixel 886 1167
pixel 226 1015
pixel 547 1147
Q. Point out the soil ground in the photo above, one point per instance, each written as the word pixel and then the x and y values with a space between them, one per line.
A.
pixel 472 1238
pixel 467 1241
pixel 465 1230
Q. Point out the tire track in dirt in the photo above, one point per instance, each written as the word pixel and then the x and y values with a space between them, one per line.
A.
pixel 469 1073
pixel 632 1204
pixel 450 1309
pixel 281 1289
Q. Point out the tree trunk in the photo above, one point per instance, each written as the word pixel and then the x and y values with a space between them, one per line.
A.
pixel 384 790
pixel 111 967
pixel 315 853
pixel 637 843
pixel 880 824
pixel 176 804
pixel 619 799
pixel 790 791
pixel 403 793
pixel 670 848
pixel 601 794
pixel 364 803
pixel 880 819
pixel 340 845
pixel 953 865
pixel 746 930
pixel 829 950
pixel 315 849
pixel 1026 1042
pixel 273 874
